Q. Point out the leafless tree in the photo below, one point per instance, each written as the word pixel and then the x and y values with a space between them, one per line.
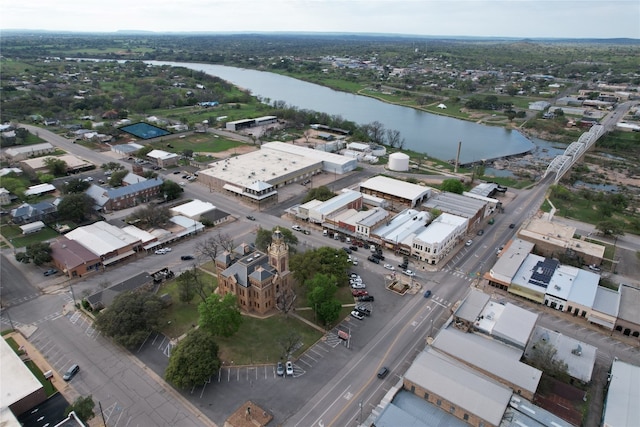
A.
pixel 289 343
pixel 225 241
pixel 393 137
pixel 208 248
pixel 375 130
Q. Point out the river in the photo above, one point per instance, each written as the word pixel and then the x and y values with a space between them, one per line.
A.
pixel 434 135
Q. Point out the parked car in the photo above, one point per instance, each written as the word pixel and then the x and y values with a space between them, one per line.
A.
pixel 480 232
pixel 296 227
pixel 289 368
pixel 403 266
pixel 353 248
pixel 357 314
pixel 358 286
pixel 167 249
pixel 408 273
pixel 594 267
pixel 469 243
pixel 355 276
pixel 251 218
pixel 306 231
pixel 176 172
pixel 373 259
pixel 160 252
pixel 71 372
pixel 347 250
pixel 427 293
pixel 50 272
pixel 187 257
pixel 366 298
pixel 280 369
pixel 512 226
pixel 378 255
pixel 359 292
pixel 355 261
pixel 364 310
pixel 389 267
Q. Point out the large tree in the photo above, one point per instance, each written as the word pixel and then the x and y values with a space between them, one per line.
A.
pixel 75 185
pixel 131 317
pixel 321 193
pixel 152 216
pixel 321 298
pixel 220 316
pixel 324 260
pixel 191 283
pixel 83 407
pixel 56 166
pixel 39 253
pixel 170 189
pixel 75 207
pixel 452 185
pixel 193 360
pixel 115 180
pixel 264 238
pixel 212 246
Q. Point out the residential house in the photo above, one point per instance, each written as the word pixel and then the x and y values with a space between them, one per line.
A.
pixel 27 213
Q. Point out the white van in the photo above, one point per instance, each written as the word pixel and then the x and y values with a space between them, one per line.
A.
pixel 325 232
pixel 348 239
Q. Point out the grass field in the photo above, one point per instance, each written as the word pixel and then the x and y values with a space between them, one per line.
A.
pixel 14 235
pixel 198 143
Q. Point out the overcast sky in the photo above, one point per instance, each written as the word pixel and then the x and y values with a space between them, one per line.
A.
pixel 512 18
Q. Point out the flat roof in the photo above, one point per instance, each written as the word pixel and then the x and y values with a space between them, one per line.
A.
pixel 160 154
pixel 101 237
pixel 72 161
pixel 621 405
pixel 489 356
pixel 144 236
pixel 396 187
pixel 629 303
pixel 472 305
pixel 460 385
pixel 317 155
pixel 511 259
pixel 369 217
pixel 441 228
pixel 22 149
pixel 408 410
pixel 525 272
pixel 585 288
pixel 264 165
pixel 16 380
pixel 562 281
pixel 193 208
pixel 607 301
pixel 579 356
pixel 515 324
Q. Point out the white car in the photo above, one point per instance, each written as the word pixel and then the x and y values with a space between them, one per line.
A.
pixel 160 252
pixel 469 243
pixel 289 368
pixel 355 261
pixel 409 273
pixel 389 267
pixel 296 227
pixel 358 286
pixel 357 315
pixel 167 249
pixel 355 280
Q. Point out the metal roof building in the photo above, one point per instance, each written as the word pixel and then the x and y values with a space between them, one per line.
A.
pixel 512 257
pixel 500 361
pixel 193 209
pixel 396 190
pixel 102 238
pixel 621 405
pixel 402 227
pixel 333 163
pixel 465 389
pixel 455 204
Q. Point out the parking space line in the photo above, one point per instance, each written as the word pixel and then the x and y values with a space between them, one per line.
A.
pixel 308 364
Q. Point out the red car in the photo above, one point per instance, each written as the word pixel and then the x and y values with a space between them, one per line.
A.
pixel 359 292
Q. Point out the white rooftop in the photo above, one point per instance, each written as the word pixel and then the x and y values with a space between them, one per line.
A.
pixel 585 288
pixel 266 165
pixel 316 155
pixel 337 202
pixel 396 187
pixel 143 236
pixel 403 226
pixel 160 154
pixel 21 149
pixel 441 228
pixel 39 189
pixel 193 208
pixel 16 380
pixel 101 238
pixel 562 281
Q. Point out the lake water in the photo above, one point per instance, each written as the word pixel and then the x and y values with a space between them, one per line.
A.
pixel 434 135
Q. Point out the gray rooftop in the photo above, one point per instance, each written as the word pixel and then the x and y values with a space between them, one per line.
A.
pixel 455 204
pixel 490 356
pixel 515 325
pixel 409 410
pixel 460 385
pixel 629 303
pixel 621 406
pixel 472 305
pixel 512 257
pixel 607 301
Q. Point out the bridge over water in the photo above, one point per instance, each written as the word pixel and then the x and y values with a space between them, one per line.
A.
pixel 562 163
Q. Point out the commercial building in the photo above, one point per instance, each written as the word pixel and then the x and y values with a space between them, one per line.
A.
pixel 399 194
pixel 621 404
pixel 193 209
pixel 163 158
pixel 399 233
pixel 73 259
pixel 260 281
pixel 237 125
pixel 628 321
pixel 109 242
pixel 472 208
pixel 22 152
pixel 438 238
pixel 128 196
pixel 346 200
pixel 74 164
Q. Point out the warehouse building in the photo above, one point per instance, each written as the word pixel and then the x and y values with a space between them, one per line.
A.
pixel 399 194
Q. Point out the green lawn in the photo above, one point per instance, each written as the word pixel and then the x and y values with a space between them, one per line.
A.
pixel 257 341
pixel 14 234
pixel 198 143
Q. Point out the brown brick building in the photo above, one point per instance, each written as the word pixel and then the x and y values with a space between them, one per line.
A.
pixel 260 281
